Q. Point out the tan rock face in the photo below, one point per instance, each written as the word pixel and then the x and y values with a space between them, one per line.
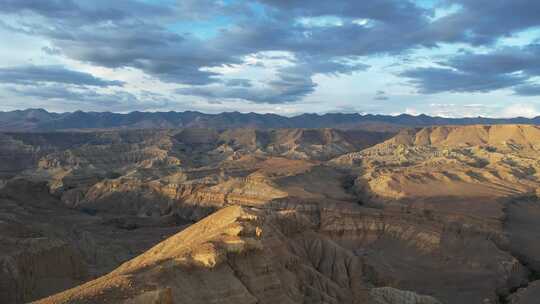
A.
pixel 473 162
pixel 236 255
pixel 298 254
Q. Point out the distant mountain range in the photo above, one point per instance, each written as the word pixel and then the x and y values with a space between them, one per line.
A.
pixel 42 120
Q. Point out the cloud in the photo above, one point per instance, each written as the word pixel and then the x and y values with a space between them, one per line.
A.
pixel 482 22
pixel 238 82
pixel 79 98
pixel 32 74
pixel 520 110
pixel 127 35
pixel 463 110
pixel 291 83
pixel 283 90
pixel 168 56
pixel 470 72
pixel 380 95
pixel 390 11
pixel 118 34
pixel 528 90
pixel 506 60
pixel 438 80
pixel 86 12
pixel 329 38
pixel 51 51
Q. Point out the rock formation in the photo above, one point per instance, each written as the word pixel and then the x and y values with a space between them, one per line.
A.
pixel 241 255
pixel 442 214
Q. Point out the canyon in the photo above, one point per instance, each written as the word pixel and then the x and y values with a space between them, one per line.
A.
pixel 415 215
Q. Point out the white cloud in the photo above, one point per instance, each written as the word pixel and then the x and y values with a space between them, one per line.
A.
pixel 412 111
pixel 523 110
pixel 320 21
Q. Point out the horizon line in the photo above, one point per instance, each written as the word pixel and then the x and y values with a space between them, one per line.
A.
pixel 362 114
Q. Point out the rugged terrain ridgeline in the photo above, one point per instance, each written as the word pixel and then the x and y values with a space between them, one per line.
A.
pixel 445 214
pixel 41 120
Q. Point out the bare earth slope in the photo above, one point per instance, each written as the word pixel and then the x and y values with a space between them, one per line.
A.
pixel 471 161
pixel 241 255
pixel 485 177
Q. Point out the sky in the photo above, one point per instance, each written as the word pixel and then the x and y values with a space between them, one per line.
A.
pixel 450 58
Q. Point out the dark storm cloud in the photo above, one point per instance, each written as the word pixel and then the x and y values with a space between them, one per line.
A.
pixel 524 59
pixel 528 90
pixel 31 74
pixel 139 35
pixel 348 40
pixel 437 80
pixel 118 34
pixel 85 12
pixel 392 11
pixel 499 69
pixel 168 56
pixel 283 90
pixel 484 21
pixel 237 82
pixel 398 25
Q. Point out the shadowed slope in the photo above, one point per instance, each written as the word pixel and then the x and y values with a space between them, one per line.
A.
pixel 240 255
